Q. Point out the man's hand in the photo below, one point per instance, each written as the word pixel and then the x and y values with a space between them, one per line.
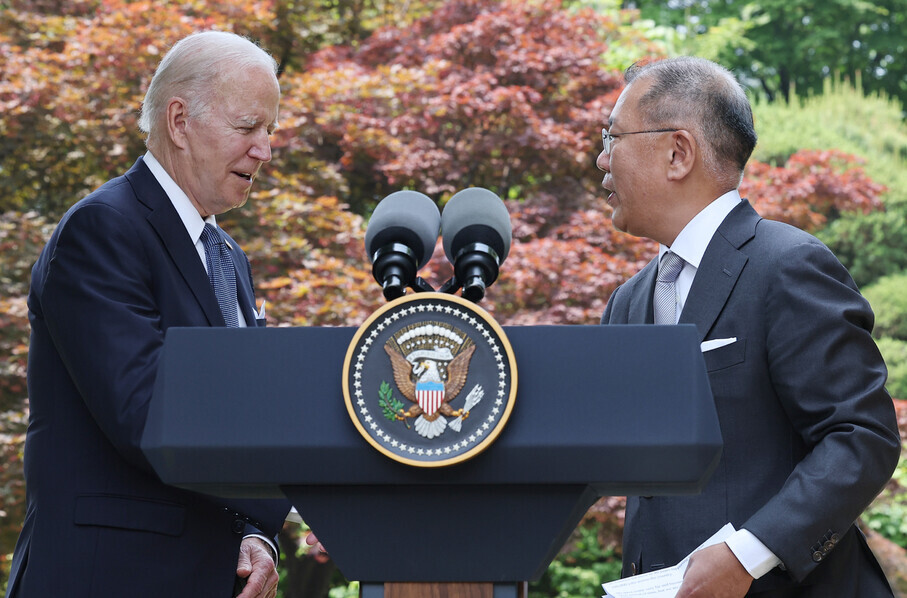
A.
pixel 715 572
pixel 257 565
pixel 317 551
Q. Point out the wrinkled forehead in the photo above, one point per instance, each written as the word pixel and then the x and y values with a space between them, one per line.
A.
pixel 253 90
pixel 253 78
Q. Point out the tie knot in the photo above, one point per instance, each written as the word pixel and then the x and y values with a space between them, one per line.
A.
pixel 210 235
pixel 670 266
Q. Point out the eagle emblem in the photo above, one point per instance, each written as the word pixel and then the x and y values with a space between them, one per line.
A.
pixel 431 379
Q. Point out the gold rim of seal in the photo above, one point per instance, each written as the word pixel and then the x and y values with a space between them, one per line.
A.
pixel 511 361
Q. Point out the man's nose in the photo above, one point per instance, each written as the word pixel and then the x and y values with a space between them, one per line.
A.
pixel 603 162
pixel 261 150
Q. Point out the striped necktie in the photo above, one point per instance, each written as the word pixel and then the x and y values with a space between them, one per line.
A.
pixel 665 292
pixel 221 273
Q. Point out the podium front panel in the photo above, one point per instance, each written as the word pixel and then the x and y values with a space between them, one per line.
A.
pixel 240 412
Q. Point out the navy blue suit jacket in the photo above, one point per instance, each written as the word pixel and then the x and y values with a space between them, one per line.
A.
pixel 810 435
pixel 119 270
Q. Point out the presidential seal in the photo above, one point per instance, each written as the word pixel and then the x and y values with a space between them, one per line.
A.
pixel 430 379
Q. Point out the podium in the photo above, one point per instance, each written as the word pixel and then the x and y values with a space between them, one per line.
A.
pixel 600 410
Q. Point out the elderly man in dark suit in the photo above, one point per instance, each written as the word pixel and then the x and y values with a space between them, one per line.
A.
pixel 809 431
pixel 141 254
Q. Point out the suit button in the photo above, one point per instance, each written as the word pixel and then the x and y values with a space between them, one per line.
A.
pixel 835 538
pixel 828 545
pixel 817 556
pixel 632 568
pixel 239 526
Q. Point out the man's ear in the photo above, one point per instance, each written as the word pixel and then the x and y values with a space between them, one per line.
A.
pixel 683 155
pixel 177 121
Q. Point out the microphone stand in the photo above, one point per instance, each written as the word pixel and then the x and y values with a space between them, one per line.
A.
pixel 477 265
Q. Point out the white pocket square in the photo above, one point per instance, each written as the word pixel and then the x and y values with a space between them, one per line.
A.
pixel 716 343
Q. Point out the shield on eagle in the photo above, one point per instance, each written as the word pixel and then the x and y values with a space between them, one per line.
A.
pixel 429 395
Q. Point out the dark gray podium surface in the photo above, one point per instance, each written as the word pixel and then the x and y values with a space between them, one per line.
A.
pixel 260 412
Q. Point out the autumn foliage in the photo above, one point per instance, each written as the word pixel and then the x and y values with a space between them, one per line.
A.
pixel 811 188
pixel 506 95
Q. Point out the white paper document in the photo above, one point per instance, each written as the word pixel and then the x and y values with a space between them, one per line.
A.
pixel 662 583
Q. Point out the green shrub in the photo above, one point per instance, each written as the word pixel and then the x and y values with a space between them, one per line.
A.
pixel 889 518
pixel 868 126
pixel 895 354
pixel 349 590
pixel 842 117
pixel 888 297
pixel 579 571
pixel 870 245
pixel 888 513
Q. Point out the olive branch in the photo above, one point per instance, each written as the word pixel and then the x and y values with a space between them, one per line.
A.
pixel 391 407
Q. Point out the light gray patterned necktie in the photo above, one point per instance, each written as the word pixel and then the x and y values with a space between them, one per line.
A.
pixel 221 273
pixel 665 293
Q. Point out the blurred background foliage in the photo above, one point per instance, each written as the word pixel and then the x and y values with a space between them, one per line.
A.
pixel 438 95
pixel 779 46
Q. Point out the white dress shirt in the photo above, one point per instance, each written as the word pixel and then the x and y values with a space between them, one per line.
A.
pixel 188 213
pixel 691 244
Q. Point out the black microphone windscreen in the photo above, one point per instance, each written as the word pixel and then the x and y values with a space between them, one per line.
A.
pixel 407 217
pixel 476 215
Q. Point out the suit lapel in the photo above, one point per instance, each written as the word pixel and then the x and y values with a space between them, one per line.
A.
pixel 166 222
pixel 719 269
pixel 641 310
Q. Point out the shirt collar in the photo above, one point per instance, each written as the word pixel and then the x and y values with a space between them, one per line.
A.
pixel 192 220
pixel 693 240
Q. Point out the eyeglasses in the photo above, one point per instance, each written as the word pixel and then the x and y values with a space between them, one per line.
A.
pixel 608 138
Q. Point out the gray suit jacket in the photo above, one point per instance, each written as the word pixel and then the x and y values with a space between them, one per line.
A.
pixel 810 435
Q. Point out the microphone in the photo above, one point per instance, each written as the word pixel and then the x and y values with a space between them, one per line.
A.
pixel 400 239
pixel 476 235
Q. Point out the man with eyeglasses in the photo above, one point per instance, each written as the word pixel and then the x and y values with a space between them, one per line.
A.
pixel 810 435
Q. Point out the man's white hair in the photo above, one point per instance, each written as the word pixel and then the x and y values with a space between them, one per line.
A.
pixel 192 70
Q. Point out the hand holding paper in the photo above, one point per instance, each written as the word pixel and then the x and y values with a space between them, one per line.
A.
pixel 663 583
pixel 715 572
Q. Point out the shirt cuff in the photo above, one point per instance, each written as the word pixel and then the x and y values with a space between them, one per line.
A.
pixel 275 554
pixel 752 553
